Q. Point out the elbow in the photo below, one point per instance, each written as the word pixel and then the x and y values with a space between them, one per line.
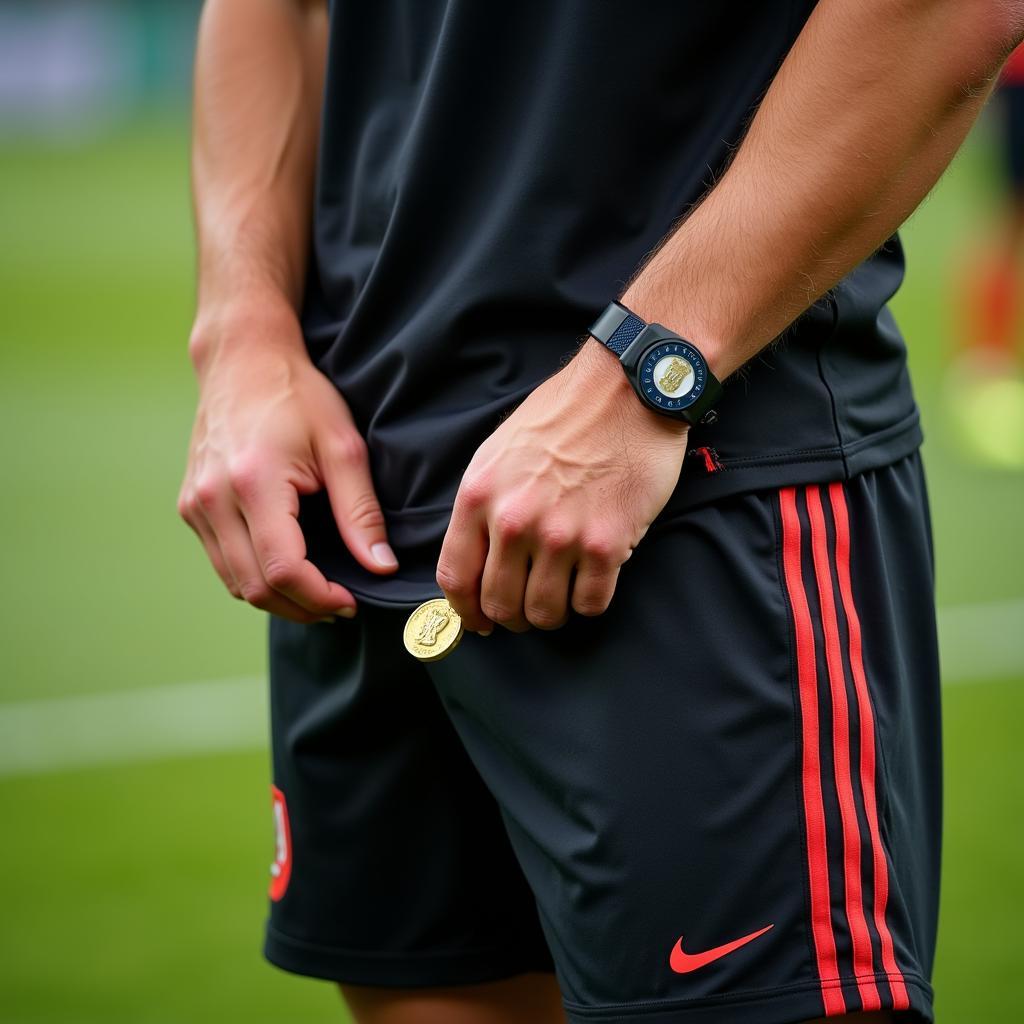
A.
pixel 999 27
pixel 978 36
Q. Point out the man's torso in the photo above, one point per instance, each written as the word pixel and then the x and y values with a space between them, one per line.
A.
pixel 489 177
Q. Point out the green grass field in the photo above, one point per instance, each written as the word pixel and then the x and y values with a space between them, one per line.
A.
pixel 136 890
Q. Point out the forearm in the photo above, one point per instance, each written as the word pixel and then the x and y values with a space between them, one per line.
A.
pixel 258 84
pixel 865 113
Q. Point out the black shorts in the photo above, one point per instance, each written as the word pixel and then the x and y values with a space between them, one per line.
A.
pixel 718 801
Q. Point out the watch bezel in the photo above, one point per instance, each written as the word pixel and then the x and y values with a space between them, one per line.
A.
pixel 651 338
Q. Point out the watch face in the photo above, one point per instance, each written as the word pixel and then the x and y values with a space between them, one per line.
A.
pixel 672 375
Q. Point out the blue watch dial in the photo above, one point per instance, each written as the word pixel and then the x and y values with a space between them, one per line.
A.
pixel 667 372
pixel 672 375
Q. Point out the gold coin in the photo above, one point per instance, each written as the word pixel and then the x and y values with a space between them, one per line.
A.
pixel 433 630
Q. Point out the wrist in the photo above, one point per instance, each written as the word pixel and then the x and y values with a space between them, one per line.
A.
pixel 603 371
pixel 713 340
pixel 263 318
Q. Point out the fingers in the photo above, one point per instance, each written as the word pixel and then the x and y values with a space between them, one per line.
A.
pixel 461 562
pixel 198 522
pixel 517 570
pixel 553 552
pixel 244 566
pixel 554 558
pixel 271 519
pixel 504 582
pixel 250 532
pixel 597 573
pixel 546 600
pixel 345 465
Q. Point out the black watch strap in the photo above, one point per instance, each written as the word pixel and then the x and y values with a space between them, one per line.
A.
pixel 617 327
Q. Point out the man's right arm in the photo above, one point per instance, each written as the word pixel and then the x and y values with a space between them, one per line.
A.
pixel 269 425
pixel 258 83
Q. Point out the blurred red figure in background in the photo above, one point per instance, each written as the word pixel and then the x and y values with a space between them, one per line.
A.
pixel 999 305
pixel 984 381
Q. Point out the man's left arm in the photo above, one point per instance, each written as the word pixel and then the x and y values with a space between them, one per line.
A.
pixel 865 113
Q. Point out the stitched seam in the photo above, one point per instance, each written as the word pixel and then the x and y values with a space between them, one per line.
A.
pixel 809 455
pixel 840 453
pixel 819 359
pixel 906 425
pixel 895 430
pixel 340 951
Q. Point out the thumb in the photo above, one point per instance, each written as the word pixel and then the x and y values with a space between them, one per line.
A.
pixel 346 476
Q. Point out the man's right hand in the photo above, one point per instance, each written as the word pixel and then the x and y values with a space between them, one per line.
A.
pixel 268 428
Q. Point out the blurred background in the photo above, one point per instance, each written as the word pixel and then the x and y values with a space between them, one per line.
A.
pixel 134 801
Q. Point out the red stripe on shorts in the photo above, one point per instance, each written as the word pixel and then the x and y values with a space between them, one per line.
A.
pixel 863 963
pixel 897 986
pixel 814 811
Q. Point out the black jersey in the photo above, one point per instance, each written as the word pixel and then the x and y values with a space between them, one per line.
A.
pixel 490 176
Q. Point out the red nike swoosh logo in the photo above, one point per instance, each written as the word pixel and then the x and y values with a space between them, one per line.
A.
pixel 683 963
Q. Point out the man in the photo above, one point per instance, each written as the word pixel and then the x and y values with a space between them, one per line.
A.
pixel 695 775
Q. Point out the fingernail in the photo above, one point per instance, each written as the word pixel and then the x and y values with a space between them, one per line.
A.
pixel 383 555
pixel 329 618
pixel 486 632
pixel 347 612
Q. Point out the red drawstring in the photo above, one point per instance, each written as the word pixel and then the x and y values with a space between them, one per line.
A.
pixel 712 463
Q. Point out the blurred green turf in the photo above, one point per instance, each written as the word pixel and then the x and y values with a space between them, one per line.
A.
pixel 136 893
pixel 96 292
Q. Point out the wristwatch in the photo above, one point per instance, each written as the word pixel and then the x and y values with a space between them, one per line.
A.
pixel 667 372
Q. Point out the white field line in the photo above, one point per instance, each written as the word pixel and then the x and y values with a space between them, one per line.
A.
pixel 979 642
pixel 172 720
pixel 982 641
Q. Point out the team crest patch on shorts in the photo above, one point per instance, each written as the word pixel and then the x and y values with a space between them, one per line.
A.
pixel 281 869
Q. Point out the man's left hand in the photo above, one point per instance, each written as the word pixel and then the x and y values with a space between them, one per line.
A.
pixel 554 501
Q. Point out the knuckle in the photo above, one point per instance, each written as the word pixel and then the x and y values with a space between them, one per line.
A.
pixel 591 606
pixel 234 590
pixel 185 506
pixel 474 491
pixel 349 448
pixel 555 537
pixel 280 573
pixel 364 511
pixel 544 618
pixel 243 475
pixel 600 547
pixel 497 612
pixel 207 493
pixel 256 592
pixel 450 582
pixel 511 521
